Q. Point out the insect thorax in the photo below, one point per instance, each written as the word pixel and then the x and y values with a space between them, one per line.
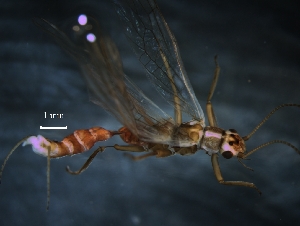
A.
pixel 188 134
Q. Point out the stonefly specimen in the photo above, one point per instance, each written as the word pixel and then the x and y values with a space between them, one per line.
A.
pixel 146 127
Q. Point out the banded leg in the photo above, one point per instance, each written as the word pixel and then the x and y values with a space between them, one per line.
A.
pixel 218 174
pixel 209 108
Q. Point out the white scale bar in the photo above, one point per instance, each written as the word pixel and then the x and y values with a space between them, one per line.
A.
pixel 41 127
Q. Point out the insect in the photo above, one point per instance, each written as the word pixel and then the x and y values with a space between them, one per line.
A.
pixel 147 129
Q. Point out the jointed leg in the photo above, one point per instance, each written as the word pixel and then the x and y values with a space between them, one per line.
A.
pixel 134 149
pixel 140 157
pixel 101 149
pixel 157 150
pixel 217 171
pixel 131 148
pixel 87 163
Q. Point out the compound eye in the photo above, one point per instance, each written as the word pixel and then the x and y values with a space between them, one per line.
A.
pixel 233 130
pixel 227 154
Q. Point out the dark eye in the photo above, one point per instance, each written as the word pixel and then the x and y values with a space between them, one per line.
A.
pixel 227 154
pixel 230 143
pixel 233 130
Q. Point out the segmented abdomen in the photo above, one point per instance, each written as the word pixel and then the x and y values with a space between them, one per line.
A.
pixel 78 142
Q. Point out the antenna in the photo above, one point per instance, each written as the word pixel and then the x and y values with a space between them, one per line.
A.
pixel 245 138
pixel 268 143
pixel 242 156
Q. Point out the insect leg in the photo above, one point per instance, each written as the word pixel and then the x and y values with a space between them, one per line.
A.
pixel 87 163
pixel 101 149
pixel 209 108
pixel 157 150
pixel 218 174
pixel 141 157
pixel 133 148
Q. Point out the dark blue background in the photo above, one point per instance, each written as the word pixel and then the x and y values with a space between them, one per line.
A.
pixel 259 50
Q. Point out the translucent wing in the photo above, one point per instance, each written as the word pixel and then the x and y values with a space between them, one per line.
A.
pixel 157 50
pixel 109 87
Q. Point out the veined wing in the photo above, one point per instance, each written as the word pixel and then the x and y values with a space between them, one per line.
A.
pixel 108 86
pixel 157 50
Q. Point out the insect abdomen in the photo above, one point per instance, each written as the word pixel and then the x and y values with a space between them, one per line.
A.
pixel 78 142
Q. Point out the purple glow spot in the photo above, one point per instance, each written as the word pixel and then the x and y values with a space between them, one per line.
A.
pixel 82 19
pixel 91 37
pixel 39 145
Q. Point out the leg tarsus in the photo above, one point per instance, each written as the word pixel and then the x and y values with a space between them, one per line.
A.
pixel 87 163
pixel 218 174
pixel 240 183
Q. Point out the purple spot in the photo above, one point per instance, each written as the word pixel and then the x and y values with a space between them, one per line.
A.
pixel 91 37
pixel 82 19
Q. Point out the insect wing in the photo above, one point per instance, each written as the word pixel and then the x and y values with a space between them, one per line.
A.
pixel 108 86
pixel 157 50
